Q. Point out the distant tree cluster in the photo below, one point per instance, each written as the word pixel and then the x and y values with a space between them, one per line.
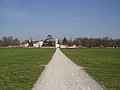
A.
pixel 9 41
pixel 91 42
pixel 96 42
pixel 65 41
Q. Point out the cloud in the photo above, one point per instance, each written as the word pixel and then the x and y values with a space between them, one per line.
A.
pixel 4 12
pixel 85 21
pixel 9 3
pixel 8 8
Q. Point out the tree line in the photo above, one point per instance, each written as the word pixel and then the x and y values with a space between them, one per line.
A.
pixel 92 42
pixel 9 41
pixel 79 42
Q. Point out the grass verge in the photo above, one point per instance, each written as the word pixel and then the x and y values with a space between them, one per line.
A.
pixel 102 64
pixel 21 67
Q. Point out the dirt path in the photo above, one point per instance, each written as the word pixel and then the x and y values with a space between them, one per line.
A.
pixel 62 74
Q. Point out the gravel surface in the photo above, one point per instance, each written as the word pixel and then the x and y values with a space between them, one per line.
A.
pixel 62 74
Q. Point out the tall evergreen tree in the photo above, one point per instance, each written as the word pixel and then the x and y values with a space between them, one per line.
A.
pixel 65 41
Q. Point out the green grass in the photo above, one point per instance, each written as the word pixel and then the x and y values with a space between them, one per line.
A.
pixel 21 67
pixel 102 64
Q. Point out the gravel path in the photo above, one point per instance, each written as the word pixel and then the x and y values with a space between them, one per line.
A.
pixel 62 74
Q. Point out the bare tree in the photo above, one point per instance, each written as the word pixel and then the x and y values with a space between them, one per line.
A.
pixel 10 41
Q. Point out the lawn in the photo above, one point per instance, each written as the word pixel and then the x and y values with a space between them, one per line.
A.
pixel 102 64
pixel 21 67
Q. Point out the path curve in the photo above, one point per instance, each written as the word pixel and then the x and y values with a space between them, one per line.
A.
pixel 62 74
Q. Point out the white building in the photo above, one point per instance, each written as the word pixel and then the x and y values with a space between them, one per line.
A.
pixel 26 45
pixel 56 44
pixel 38 44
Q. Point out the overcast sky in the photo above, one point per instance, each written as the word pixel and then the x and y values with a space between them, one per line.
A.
pixel 60 18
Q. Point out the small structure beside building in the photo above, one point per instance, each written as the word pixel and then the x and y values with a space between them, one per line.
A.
pixel 66 46
pixel 63 46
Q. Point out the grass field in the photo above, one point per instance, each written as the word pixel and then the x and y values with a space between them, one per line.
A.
pixel 102 64
pixel 20 68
